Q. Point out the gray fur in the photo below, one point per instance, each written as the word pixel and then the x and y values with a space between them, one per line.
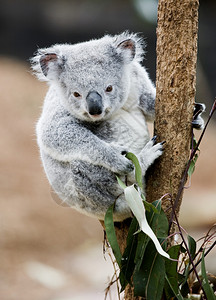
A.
pixel 82 153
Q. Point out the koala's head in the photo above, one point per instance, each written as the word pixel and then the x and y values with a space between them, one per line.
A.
pixel 93 77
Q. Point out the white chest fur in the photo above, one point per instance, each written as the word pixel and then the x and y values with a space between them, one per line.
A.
pixel 130 129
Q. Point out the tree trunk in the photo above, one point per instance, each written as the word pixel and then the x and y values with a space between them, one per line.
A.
pixel 175 84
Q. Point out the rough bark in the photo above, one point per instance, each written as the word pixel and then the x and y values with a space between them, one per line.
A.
pixel 175 85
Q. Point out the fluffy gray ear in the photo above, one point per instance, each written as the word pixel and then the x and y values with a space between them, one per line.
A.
pixel 128 49
pixel 47 65
pixel 48 62
pixel 129 46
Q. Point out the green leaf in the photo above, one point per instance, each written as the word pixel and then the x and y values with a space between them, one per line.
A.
pixel 185 290
pixel 127 262
pixel 158 221
pixel 111 235
pixel 135 203
pixel 121 183
pixel 176 294
pixel 159 224
pixel 195 143
pixel 138 170
pixel 191 246
pixel 149 206
pixel 172 276
pixel 206 286
pixel 143 240
pixel 192 165
pixel 149 280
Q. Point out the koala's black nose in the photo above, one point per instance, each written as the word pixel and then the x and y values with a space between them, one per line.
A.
pixel 94 103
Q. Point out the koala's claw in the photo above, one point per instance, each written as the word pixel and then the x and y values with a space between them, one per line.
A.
pixel 198 109
pixel 154 139
pixel 198 122
pixel 150 152
pixel 124 152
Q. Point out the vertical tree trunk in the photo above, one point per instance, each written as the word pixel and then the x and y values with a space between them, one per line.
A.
pixel 175 84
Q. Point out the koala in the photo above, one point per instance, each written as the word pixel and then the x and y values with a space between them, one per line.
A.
pixel 95 111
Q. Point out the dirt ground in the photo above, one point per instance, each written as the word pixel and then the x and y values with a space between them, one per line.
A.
pixel 48 252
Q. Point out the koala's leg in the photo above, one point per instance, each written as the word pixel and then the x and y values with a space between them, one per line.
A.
pixel 98 188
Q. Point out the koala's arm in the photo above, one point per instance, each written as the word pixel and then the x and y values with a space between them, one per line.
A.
pixel 145 90
pixel 66 141
pixel 147 94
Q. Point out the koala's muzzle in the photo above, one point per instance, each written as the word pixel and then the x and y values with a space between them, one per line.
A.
pixel 94 103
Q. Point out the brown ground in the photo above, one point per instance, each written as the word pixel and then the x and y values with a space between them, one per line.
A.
pixel 36 233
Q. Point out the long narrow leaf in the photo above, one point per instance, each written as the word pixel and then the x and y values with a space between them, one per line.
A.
pixel 158 220
pixel 177 295
pixel 143 240
pixel 191 246
pixel 138 170
pixel 192 250
pixel 172 276
pixel 159 224
pixel 121 183
pixel 192 165
pixel 111 235
pixel 149 279
pixel 135 203
pixel 206 286
pixel 127 263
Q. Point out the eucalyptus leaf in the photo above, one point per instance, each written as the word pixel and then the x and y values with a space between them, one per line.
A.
pixel 158 221
pixel 138 170
pixel 192 249
pixel 149 280
pixel 121 183
pixel 159 224
pixel 192 165
pixel 135 203
pixel 206 286
pixel 191 246
pixel 172 276
pixel 178 295
pixel 111 235
pixel 184 284
pixel 127 262
pixel 195 143
pixel 149 206
pixel 142 243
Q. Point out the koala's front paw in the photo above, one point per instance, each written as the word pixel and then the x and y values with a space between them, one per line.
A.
pixel 122 165
pixel 127 168
pixel 150 152
pixel 198 122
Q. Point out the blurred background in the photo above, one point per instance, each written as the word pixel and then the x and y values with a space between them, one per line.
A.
pixel 48 252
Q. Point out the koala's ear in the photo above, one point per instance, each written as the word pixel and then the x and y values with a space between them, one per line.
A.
pixel 47 65
pixel 127 49
pixel 51 65
pixel 46 60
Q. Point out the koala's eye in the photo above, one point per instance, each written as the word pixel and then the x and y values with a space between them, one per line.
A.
pixel 77 95
pixel 109 88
